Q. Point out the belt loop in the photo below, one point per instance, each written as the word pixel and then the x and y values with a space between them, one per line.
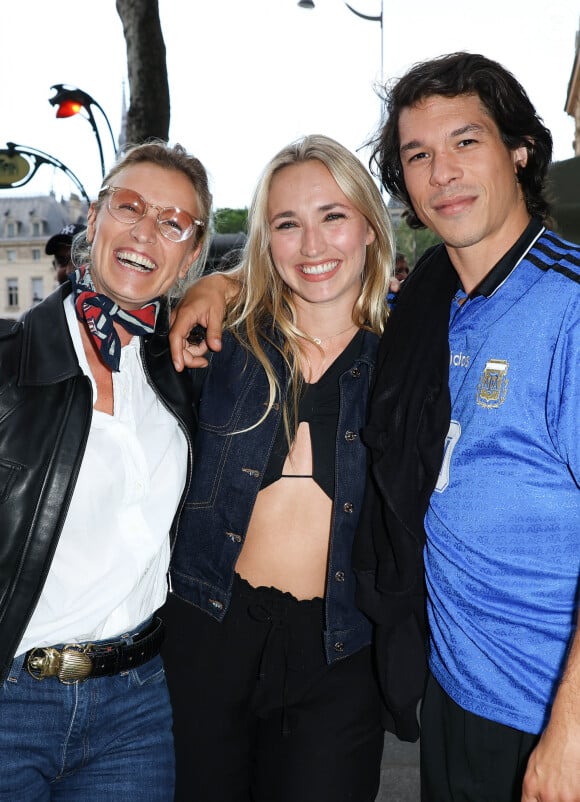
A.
pixel 129 637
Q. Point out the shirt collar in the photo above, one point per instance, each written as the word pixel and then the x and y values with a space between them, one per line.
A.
pixel 498 274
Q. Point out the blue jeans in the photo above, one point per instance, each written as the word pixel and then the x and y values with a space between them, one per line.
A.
pixel 108 738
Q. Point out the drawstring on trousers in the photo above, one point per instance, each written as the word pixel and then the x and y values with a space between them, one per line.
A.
pixel 271 684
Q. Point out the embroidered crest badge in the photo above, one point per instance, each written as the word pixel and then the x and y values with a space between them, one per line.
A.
pixel 492 387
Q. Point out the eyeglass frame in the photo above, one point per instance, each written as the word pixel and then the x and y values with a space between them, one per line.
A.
pixel 110 190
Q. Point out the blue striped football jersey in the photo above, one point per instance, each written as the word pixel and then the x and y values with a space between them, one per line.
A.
pixel 503 527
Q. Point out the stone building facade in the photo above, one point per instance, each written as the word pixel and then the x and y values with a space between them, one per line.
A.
pixel 26 223
pixel 573 96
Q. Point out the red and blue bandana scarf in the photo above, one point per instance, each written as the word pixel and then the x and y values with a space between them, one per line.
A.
pixel 99 312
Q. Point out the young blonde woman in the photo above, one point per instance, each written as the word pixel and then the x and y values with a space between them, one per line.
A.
pixel 267 657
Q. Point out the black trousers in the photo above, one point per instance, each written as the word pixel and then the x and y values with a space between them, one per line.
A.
pixel 258 714
pixel 467 758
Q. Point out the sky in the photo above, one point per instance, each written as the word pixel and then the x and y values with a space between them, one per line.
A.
pixel 248 76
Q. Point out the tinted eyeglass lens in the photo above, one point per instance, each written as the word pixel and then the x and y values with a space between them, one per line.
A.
pixel 175 224
pixel 128 206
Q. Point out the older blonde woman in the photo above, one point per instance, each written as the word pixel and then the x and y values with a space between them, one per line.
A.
pixel 95 427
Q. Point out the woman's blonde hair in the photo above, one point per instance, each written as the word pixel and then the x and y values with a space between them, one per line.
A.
pixel 265 303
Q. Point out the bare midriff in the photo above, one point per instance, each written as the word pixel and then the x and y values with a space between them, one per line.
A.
pixel 286 545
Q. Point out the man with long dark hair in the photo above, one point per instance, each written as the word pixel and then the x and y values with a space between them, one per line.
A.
pixel 474 494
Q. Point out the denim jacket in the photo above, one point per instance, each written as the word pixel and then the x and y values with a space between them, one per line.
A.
pixel 227 476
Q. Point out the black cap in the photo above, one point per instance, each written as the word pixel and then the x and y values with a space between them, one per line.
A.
pixel 64 237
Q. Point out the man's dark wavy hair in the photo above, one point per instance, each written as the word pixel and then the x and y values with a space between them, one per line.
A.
pixel 501 95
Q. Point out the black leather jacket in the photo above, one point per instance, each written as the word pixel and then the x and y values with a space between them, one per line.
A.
pixel 45 415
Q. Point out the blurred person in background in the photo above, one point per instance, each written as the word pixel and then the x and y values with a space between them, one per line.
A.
pixel 59 247
pixel 401 273
pixel 401 267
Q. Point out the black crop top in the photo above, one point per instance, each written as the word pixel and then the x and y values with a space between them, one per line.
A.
pixel 319 407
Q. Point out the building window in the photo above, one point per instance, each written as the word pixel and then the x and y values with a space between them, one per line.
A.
pixel 11 230
pixel 36 255
pixel 11 254
pixel 37 290
pixel 12 292
pixel 38 228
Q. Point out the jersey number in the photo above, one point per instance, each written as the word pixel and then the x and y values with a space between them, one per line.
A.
pixel 451 441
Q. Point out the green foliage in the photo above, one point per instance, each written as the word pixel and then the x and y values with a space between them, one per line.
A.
pixel 413 242
pixel 230 221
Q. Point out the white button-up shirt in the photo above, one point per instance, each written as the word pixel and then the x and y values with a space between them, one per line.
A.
pixel 109 571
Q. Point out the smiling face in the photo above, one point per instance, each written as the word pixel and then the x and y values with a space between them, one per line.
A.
pixel 318 239
pixel 134 263
pixel 461 177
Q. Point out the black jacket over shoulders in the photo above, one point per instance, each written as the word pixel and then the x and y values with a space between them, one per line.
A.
pixel 409 416
pixel 45 415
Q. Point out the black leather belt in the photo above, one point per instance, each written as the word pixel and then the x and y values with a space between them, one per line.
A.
pixel 77 662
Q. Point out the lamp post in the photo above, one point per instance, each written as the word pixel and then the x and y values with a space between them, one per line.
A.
pixel 69 101
pixel 372 18
pixel 16 171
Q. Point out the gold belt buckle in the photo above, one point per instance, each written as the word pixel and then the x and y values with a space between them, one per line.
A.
pixel 69 665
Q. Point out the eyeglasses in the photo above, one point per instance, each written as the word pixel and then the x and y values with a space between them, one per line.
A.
pixel 127 206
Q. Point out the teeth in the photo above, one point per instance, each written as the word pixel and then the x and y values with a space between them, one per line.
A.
pixel 317 270
pixel 136 260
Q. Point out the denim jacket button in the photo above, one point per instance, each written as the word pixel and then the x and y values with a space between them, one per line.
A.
pixel 339 576
pixel 339 646
pixel 217 604
pixel 348 506
pixel 350 436
pixel 355 372
pixel 235 538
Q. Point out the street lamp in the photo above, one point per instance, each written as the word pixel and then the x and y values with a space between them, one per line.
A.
pixel 16 171
pixel 378 18
pixel 69 101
